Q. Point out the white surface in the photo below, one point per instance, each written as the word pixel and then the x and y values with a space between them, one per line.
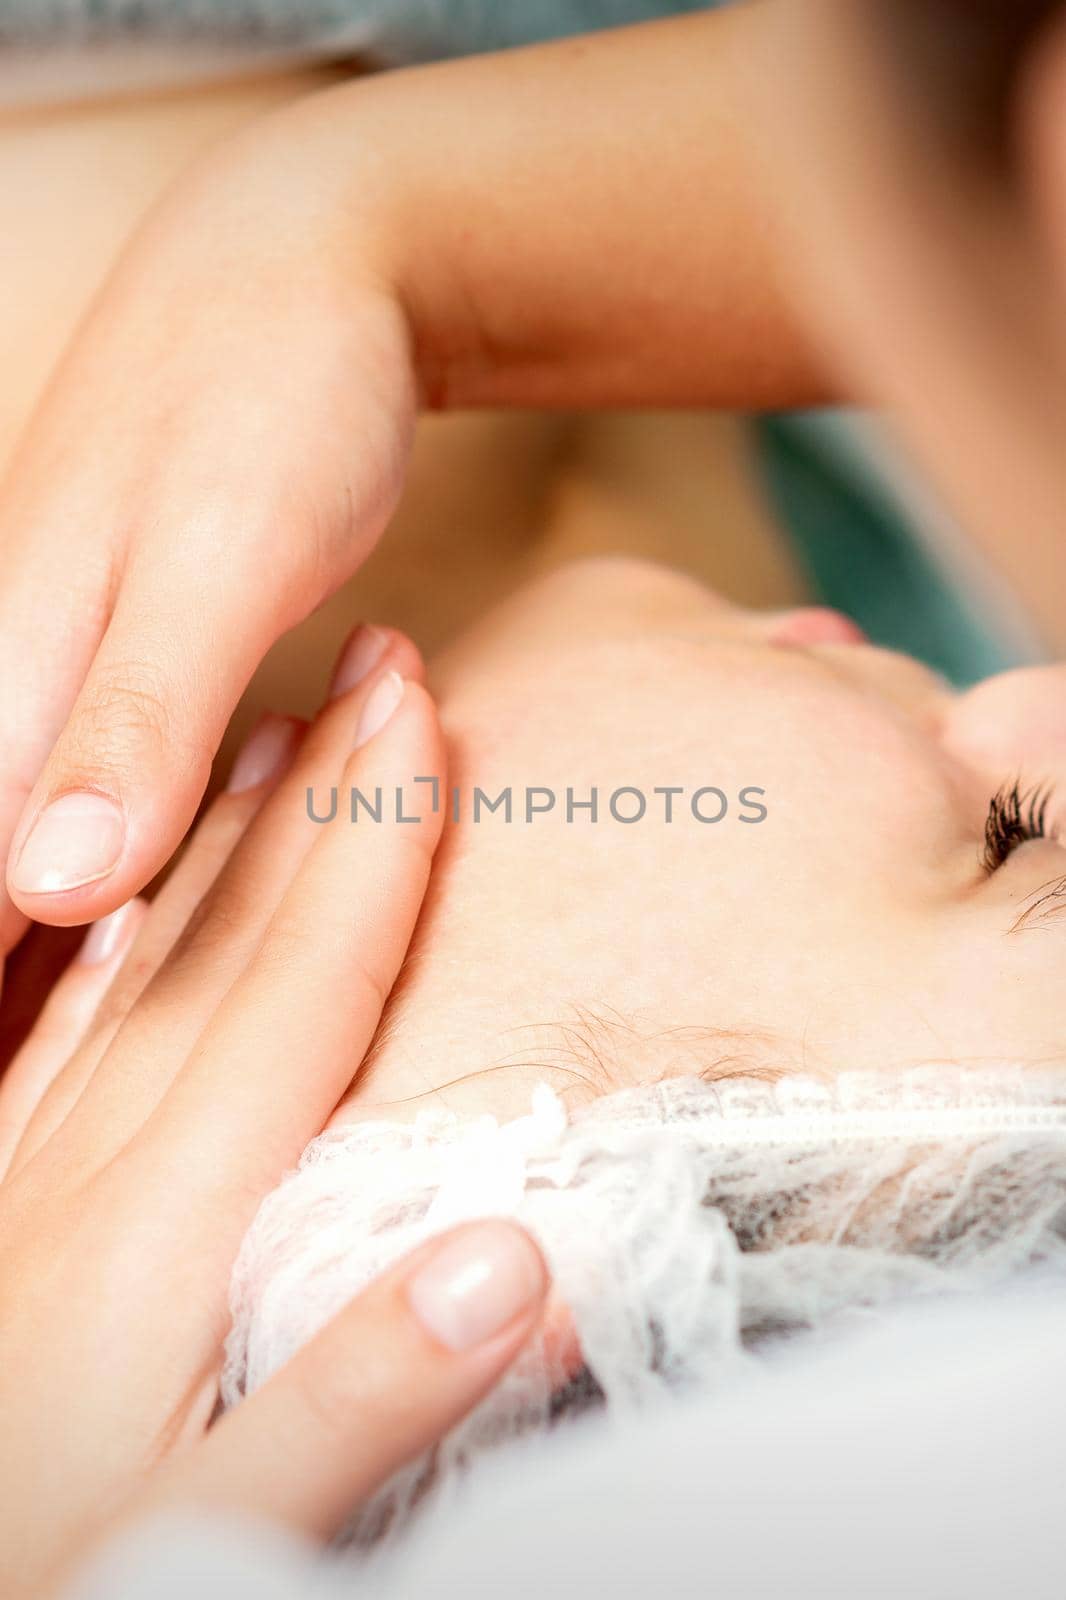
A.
pixel 923 1457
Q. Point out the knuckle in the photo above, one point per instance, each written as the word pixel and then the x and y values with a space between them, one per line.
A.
pixel 126 703
pixel 350 1402
pixel 125 711
pixel 329 1396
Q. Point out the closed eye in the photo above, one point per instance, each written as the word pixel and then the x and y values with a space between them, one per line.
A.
pixel 1015 816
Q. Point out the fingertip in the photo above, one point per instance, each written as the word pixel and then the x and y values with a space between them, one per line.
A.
pixel 397 735
pixel 109 938
pixel 368 648
pixel 67 857
pixel 267 753
pixel 480 1282
pixel 378 707
pixel 406 658
pixel 419 703
pixel 395 679
pixel 58 886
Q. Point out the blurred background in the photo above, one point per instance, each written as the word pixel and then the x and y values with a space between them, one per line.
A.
pixel 104 102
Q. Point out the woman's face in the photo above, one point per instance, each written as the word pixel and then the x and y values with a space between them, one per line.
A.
pixel 854 926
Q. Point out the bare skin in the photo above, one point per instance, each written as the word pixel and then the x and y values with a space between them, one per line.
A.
pixel 490 499
pixel 99 1173
pixel 858 925
pixel 854 928
pixel 193 544
pixel 384 291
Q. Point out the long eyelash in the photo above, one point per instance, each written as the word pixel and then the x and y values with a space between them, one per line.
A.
pixel 1015 816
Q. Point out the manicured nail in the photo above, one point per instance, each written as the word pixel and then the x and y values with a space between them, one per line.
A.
pixel 75 841
pixel 381 702
pixel 267 749
pixel 110 936
pixel 360 655
pixel 477 1283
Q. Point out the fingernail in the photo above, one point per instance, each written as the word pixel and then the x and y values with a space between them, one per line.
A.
pixel 75 840
pixel 380 703
pixel 263 754
pixel 478 1282
pixel 360 655
pixel 108 938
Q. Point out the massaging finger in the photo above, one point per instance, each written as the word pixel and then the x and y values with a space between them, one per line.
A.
pixel 124 779
pixel 384 1381
pixel 64 1021
pixel 243 503
pixel 260 765
pixel 284 1045
pixel 228 923
pixel 228 926
pixel 52 615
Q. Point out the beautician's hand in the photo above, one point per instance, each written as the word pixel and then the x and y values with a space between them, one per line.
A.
pixel 384 1381
pixel 141 1141
pixel 227 437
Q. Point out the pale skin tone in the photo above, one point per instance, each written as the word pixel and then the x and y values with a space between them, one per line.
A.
pixel 865 914
pixel 129 1184
pixel 857 927
pixel 126 662
pixel 854 928
pixel 483 491
pixel 191 486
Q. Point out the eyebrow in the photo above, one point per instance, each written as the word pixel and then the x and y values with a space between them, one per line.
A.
pixel 1041 906
pixel 605 1049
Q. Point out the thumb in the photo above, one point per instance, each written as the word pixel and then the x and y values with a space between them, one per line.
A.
pixel 265 502
pixel 127 773
pixel 384 1381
